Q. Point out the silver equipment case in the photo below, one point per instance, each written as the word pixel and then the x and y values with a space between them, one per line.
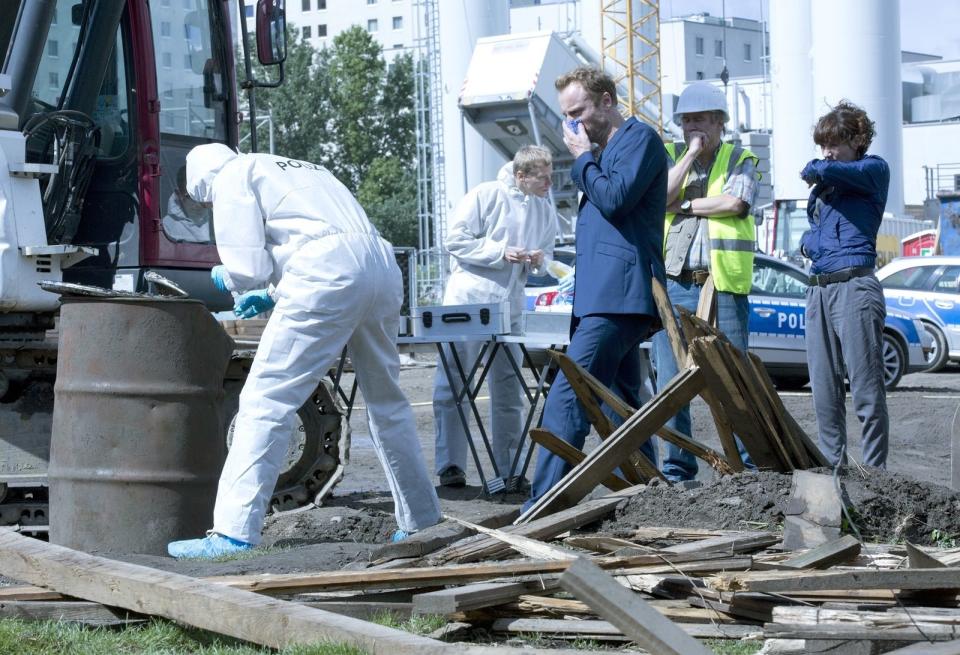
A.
pixel 484 319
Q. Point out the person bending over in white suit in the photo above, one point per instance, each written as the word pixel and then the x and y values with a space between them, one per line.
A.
pixel 333 282
pixel 501 231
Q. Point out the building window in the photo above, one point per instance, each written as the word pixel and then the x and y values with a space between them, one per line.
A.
pixel 398 22
pixel 718 48
pixel 248 11
pixel 372 25
pixel 322 30
pixel 167 60
pixel 321 5
pixel 54 79
pixel 165 28
pixel 187 65
pixel 53 48
pixel 305 5
pixel 698 45
pixel 747 54
pixel 699 75
pixel 306 32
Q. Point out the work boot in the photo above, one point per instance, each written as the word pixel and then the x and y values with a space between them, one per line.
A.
pixel 453 476
pixel 212 546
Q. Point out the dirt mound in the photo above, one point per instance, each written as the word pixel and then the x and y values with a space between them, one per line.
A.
pixel 887 506
pixel 328 524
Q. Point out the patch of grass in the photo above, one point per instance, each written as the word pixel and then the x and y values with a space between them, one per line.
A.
pixel 156 637
pixel 419 624
pixel 943 539
pixel 733 646
pixel 243 554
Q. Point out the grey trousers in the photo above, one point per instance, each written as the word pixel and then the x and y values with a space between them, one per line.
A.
pixel 844 327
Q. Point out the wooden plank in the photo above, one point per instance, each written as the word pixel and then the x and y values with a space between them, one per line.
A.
pixel 523 545
pixel 731 402
pixel 791 431
pixel 627 439
pixel 626 610
pixel 589 629
pixel 788 581
pixel 665 308
pixel 841 632
pixel 426 541
pixel 197 603
pixel 730 609
pixel 919 559
pixel 636 468
pixel 707 305
pixel 619 406
pixel 894 617
pixel 603 544
pixel 825 555
pixel 71 611
pixel 572 455
pixel 476 596
pixel 486 548
pixel 743 542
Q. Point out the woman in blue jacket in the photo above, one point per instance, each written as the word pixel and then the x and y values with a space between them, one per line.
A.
pixel 845 304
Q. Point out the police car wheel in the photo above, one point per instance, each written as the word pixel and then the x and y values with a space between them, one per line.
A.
pixel 894 362
pixel 940 355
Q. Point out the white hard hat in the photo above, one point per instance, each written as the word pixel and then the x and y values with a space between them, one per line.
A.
pixel 701 96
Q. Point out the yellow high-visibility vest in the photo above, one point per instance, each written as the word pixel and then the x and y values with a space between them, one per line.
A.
pixel 732 238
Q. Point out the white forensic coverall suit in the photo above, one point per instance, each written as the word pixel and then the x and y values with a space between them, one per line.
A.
pixel 491 217
pixel 293 224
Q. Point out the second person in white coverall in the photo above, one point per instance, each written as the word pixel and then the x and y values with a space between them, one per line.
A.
pixel 501 231
pixel 292 225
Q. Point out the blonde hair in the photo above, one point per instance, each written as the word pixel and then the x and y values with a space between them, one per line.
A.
pixel 530 158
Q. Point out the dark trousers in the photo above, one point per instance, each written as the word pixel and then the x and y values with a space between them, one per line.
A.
pixel 606 345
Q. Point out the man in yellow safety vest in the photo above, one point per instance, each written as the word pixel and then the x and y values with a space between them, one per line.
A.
pixel 708 231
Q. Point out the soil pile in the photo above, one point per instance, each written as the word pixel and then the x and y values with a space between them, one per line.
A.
pixel 886 506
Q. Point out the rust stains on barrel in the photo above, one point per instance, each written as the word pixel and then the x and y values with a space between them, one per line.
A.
pixel 137 443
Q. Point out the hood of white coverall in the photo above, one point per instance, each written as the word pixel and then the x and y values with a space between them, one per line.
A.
pixel 489 218
pixel 203 164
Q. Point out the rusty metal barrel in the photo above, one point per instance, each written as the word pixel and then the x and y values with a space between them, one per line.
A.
pixel 137 444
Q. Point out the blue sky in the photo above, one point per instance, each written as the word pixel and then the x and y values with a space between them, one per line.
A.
pixel 929 26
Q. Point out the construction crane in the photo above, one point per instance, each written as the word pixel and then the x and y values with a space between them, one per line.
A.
pixel 630 52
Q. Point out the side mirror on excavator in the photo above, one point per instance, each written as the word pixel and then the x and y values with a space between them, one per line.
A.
pixel 271 32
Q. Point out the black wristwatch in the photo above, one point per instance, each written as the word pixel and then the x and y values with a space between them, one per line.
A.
pixel 686 205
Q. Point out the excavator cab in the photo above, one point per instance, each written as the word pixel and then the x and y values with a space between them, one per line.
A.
pixel 109 96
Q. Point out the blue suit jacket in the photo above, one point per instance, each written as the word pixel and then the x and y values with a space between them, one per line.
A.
pixel 620 224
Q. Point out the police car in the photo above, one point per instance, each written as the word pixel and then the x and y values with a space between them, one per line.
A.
pixel 929 288
pixel 777 325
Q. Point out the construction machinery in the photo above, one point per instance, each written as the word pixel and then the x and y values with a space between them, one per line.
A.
pixel 100 102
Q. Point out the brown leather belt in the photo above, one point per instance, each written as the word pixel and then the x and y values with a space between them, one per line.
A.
pixel 695 277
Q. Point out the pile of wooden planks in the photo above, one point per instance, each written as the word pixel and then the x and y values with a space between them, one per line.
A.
pixel 736 387
pixel 664 589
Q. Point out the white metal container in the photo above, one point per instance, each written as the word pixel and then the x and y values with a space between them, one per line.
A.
pixel 485 319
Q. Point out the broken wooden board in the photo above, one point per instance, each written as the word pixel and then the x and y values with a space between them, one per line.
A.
pixel 620 407
pixel 634 432
pixel 865 579
pixel 423 542
pixel 70 611
pixel 669 320
pixel 476 596
pixel 637 468
pixel 919 559
pixel 707 305
pixel 572 455
pixel 194 602
pixel 523 545
pixel 626 610
pixel 825 555
pixel 588 629
pixel 813 514
pixel 477 548
pixel 743 542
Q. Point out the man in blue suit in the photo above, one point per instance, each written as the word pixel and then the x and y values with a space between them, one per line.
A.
pixel 623 179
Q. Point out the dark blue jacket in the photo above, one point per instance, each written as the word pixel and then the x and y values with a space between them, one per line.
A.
pixel 620 224
pixel 845 209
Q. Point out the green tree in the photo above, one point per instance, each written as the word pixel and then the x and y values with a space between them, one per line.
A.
pixel 345 108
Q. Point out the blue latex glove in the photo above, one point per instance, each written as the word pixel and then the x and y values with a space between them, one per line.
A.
pixel 253 303
pixel 219 276
pixel 567 283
